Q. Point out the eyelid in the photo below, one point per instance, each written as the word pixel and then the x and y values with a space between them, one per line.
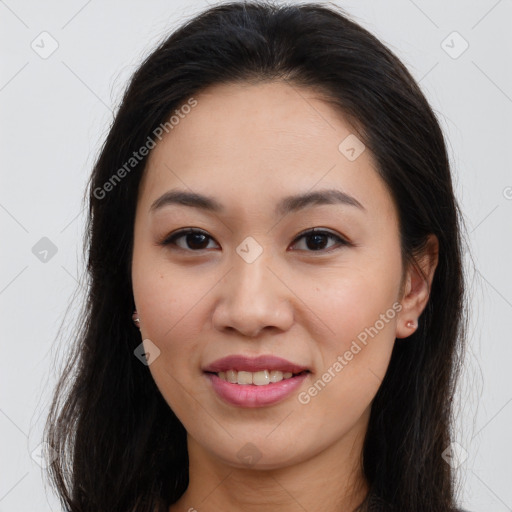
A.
pixel 322 231
pixel 342 241
pixel 169 239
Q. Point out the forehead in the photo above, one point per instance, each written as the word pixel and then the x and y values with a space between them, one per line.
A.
pixel 257 123
pixel 254 143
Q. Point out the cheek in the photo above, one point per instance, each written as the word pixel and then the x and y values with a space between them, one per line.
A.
pixel 160 302
pixel 354 362
pixel 349 301
pixel 165 295
pixel 168 310
pixel 359 313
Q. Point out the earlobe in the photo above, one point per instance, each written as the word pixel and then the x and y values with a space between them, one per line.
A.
pixel 136 319
pixel 420 275
pixel 404 331
pixel 410 324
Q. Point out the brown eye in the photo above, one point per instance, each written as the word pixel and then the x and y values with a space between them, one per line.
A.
pixel 316 240
pixel 195 240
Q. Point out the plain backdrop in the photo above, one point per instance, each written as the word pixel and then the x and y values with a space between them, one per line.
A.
pixel 64 68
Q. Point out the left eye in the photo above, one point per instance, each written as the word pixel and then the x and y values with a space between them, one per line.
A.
pixel 196 239
pixel 318 238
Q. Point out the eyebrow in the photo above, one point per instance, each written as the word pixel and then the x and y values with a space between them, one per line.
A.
pixel 286 205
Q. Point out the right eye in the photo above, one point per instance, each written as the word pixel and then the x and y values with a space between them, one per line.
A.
pixel 194 238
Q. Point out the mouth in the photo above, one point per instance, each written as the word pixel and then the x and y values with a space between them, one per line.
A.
pixel 255 389
pixel 259 378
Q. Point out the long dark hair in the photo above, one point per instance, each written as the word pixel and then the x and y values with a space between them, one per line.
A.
pixel 118 444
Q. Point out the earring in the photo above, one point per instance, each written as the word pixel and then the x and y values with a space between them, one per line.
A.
pixel 136 319
pixel 410 324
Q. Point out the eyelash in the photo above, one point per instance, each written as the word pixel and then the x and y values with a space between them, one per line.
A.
pixel 170 240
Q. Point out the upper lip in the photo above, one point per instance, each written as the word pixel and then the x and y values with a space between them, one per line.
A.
pixel 253 364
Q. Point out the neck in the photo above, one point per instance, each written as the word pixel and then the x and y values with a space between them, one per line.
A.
pixel 331 480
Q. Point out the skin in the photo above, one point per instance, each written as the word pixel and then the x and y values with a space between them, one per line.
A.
pixel 248 146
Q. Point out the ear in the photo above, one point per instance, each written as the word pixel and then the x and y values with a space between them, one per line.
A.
pixel 416 290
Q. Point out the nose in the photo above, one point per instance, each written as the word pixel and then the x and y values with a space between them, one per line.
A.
pixel 253 297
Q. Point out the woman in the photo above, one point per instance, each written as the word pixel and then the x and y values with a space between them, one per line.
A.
pixel 275 312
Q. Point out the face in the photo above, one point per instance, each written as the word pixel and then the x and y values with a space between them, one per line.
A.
pixel 252 279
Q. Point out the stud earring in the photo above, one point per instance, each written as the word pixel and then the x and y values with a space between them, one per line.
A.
pixel 410 324
pixel 136 319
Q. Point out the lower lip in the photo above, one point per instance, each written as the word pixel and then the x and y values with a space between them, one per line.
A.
pixel 250 395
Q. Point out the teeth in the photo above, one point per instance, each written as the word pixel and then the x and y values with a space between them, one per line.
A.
pixel 261 378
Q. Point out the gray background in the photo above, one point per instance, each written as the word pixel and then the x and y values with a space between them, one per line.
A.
pixel 55 112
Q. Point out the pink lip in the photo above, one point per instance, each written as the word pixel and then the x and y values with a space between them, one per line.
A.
pixel 253 364
pixel 250 395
